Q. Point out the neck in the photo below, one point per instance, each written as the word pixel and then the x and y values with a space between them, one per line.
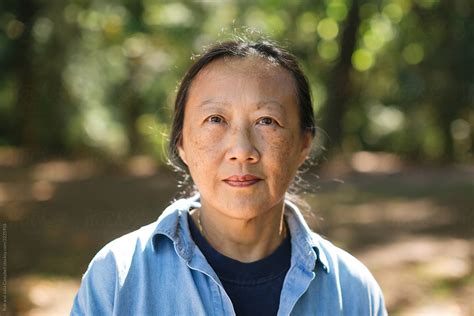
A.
pixel 245 240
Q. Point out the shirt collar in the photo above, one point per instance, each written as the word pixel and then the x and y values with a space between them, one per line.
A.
pixel 173 223
pixel 308 244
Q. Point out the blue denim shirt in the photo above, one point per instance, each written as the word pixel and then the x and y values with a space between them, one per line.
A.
pixel 159 270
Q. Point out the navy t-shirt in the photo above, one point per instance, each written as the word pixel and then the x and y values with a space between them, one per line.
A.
pixel 254 288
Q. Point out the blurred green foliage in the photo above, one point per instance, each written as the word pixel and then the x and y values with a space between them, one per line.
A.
pixel 83 76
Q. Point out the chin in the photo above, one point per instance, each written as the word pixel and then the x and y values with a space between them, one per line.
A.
pixel 247 209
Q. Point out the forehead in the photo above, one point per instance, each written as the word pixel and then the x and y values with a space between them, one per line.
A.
pixel 243 77
pixel 250 65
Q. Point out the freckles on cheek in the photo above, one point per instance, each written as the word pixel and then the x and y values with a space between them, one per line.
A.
pixel 195 140
pixel 200 145
pixel 282 153
pixel 281 146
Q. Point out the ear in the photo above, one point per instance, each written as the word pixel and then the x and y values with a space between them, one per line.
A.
pixel 182 153
pixel 305 147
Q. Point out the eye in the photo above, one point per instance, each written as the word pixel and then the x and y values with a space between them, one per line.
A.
pixel 215 119
pixel 266 121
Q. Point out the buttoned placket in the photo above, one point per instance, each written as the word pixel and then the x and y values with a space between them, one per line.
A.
pixel 195 260
pixel 221 301
pixel 298 279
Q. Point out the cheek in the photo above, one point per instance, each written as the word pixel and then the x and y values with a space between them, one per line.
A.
pixel 280 142
pixel 200 144
pixel 281 151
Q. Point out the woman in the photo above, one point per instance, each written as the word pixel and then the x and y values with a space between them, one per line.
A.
pixel 242 127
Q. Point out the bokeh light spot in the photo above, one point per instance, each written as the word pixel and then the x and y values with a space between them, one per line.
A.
pixel 385 119
pixel 337 10
pixel 172 14
pixel 382 26
pixel 460 129
pixel 308 23
pixel 135 46
pixel 43 190
pixel 372 40
pixel 328 29
pixel 113 26
pixel 394 12
pixel 14 29
pixel 268 23
pixel 42 29
pixel 413 53
pixel 328 50
pixel 362 59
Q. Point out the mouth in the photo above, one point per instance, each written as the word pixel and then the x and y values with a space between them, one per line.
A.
pixel 242 181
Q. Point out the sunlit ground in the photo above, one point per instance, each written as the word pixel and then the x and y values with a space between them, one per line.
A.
pixel 412 226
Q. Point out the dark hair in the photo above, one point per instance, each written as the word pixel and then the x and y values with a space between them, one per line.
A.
pixel 239 48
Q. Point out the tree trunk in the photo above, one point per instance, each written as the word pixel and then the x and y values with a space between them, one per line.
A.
pixel 340 84
pixel 24 127
pixel 455 94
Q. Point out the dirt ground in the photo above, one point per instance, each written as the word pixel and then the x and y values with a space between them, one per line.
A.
pixel 412 226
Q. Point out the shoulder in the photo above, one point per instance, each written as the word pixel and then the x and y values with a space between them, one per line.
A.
pixel 355 281
pixel 107 272
pixel 118 253
pixel 128 243
pixel 340 261
pixel 125 258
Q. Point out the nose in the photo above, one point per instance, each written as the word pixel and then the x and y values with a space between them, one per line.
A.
pixel 241 147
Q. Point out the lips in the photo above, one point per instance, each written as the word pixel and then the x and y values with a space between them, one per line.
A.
pixel 242 180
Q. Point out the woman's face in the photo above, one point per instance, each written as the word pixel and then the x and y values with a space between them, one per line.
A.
pixel 242 139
